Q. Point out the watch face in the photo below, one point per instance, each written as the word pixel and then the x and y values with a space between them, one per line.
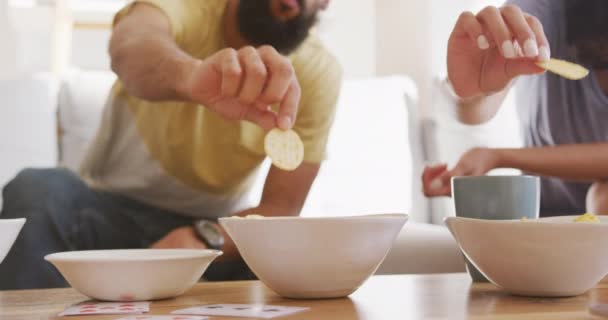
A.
pixel 211 234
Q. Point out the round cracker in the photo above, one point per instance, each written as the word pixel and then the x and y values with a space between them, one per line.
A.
pixel 565 69
pixel 285 149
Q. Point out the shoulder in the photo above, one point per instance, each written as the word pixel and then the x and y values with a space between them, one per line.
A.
pixel 315 65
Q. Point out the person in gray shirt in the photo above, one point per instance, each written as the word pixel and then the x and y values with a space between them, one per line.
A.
pixel 564 122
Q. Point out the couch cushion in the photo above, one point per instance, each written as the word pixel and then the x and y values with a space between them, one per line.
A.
pixel 81 100
pixel 27 124
pixel 369 166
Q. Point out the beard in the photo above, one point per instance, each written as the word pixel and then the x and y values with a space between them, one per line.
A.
pixel 587 31
pixel 259 26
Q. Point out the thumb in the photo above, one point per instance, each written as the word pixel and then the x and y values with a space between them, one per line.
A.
pixel 519 67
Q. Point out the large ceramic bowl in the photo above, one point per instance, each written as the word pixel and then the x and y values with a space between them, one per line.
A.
pixel 548 257
pixel 9 229
pixel 133 275
pixel 311 258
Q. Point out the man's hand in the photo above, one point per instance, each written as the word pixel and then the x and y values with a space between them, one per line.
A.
pixel 436 180
pixel 243 84
pixel 488 50
pixel 180 238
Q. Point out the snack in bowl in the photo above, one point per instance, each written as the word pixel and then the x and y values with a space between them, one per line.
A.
pixel 541 257
pixel 587 218
pixel 313 258
pixel 133 275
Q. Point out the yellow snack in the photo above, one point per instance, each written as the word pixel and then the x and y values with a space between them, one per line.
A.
pixel 565 69
pixel 587 218
pixel 524 219
pixel 285 149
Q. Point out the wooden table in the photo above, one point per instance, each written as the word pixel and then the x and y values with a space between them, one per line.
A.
pixel 381 298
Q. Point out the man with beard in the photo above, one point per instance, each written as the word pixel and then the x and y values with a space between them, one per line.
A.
pixel 200 83
pixel 563 121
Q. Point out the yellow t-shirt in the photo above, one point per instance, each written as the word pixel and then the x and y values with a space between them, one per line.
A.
pixel 196 147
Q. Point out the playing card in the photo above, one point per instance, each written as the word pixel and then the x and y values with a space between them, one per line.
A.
pixel 241 310
pixel 175 317
pixel 107 308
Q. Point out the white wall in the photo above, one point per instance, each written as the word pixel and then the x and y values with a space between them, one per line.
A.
pixel 7 43
pixel 348 29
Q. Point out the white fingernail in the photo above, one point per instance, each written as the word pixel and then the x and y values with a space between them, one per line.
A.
pixel 544 54
pixel 531 48
pixel 508 50
pixel 518 51
pixel 435 184
pixel 482 42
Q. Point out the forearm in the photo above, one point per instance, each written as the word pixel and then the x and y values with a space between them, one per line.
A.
pixel 584 162
pixel 147 60
pixel 481 109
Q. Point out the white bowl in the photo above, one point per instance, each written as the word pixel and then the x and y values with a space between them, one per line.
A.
pixel 9 229
pixel 310 258
pixel 133 275
pixel 548 257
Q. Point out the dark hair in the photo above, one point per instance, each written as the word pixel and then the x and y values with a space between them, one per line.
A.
pixel 258 25
pixel 587 30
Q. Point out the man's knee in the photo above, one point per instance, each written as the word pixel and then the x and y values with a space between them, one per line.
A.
pixel 597 198
pixel 34 188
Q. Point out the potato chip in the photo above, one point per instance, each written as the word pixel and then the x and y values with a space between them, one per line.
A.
pixel 587 217
pixel 285 149
pixel 565 69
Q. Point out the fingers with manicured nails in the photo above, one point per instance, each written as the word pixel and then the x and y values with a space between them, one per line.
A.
pixel 491 19
pixel 471 26
pixel 516 21
pixel 515 68
pixel 446 183
pixel 231 73
pixel 289 106
pixel 281 74
pixel 255 75
pixel 431 172
pixel 544 50
pixel 432 186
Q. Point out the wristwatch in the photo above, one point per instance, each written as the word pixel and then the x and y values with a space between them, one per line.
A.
pixel 209 233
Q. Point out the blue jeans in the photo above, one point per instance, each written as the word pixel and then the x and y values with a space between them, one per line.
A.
pixel 64 214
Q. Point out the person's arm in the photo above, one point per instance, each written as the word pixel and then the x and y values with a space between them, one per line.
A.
pixel 145 56
pixel 238 84
pixel 580 163
pixel 284 195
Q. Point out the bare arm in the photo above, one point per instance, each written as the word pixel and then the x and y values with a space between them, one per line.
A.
pixel 581 162
pixel 284 195
pixel 481 109
pixel 145 56
pixel 239 84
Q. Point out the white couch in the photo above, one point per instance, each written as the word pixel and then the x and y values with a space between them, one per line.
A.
pixel 375 154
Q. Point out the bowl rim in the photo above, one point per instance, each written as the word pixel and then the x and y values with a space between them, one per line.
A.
pixel 550 221
pixel 496 177
pixel 20 221
pixel 395 216
pixel 179 254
